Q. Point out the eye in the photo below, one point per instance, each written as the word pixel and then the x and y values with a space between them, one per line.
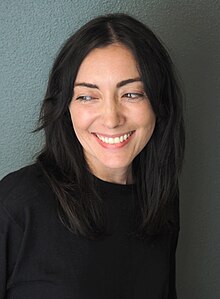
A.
pixel 84 98
pixel 134 95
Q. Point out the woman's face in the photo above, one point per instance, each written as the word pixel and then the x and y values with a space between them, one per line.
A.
pixel 111 114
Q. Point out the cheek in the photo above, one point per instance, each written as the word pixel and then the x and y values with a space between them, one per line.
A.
pixel 81 118
pixel 152 122
pixel 147 121
pixel 151 126
pixel 147 118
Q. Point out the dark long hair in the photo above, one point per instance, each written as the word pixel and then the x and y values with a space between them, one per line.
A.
pixel 156 169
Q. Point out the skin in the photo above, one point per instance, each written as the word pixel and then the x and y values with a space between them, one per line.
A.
pixel 106 102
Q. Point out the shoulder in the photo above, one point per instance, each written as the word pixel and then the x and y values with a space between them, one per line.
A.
pixel 25 181
pixel 23 190
pixel 172 211
pixel 14 178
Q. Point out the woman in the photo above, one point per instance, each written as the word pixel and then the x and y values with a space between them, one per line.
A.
pixel 97 215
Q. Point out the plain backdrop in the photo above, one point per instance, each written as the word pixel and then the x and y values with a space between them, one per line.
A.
pixel 31 33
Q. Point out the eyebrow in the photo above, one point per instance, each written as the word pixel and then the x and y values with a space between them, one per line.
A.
pixel 119 84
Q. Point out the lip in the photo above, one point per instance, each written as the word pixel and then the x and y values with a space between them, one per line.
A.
pixel 114 146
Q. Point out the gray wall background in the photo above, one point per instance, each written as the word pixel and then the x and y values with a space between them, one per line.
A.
pixel 31 32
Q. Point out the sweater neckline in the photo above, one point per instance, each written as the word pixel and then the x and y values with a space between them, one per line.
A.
pixel 113 188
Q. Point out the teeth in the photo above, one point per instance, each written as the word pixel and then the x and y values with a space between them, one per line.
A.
pixel 111 140
pixel 114 140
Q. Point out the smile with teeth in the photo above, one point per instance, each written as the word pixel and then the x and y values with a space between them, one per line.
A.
pixel 114 140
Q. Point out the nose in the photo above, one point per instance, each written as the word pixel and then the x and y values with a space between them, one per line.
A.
pixel 112 115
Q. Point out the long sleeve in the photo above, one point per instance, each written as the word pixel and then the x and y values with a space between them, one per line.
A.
pixel 172 278
pixel 40 258
pixel 10 233
pixel 175 215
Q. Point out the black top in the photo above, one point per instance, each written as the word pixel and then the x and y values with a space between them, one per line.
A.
pixel 41 259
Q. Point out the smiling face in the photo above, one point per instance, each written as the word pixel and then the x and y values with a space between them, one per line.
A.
pixel 111 114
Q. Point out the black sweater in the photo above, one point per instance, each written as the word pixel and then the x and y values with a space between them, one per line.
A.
pixel 41 259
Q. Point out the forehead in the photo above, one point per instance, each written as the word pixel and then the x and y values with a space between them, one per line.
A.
pixel 114 60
